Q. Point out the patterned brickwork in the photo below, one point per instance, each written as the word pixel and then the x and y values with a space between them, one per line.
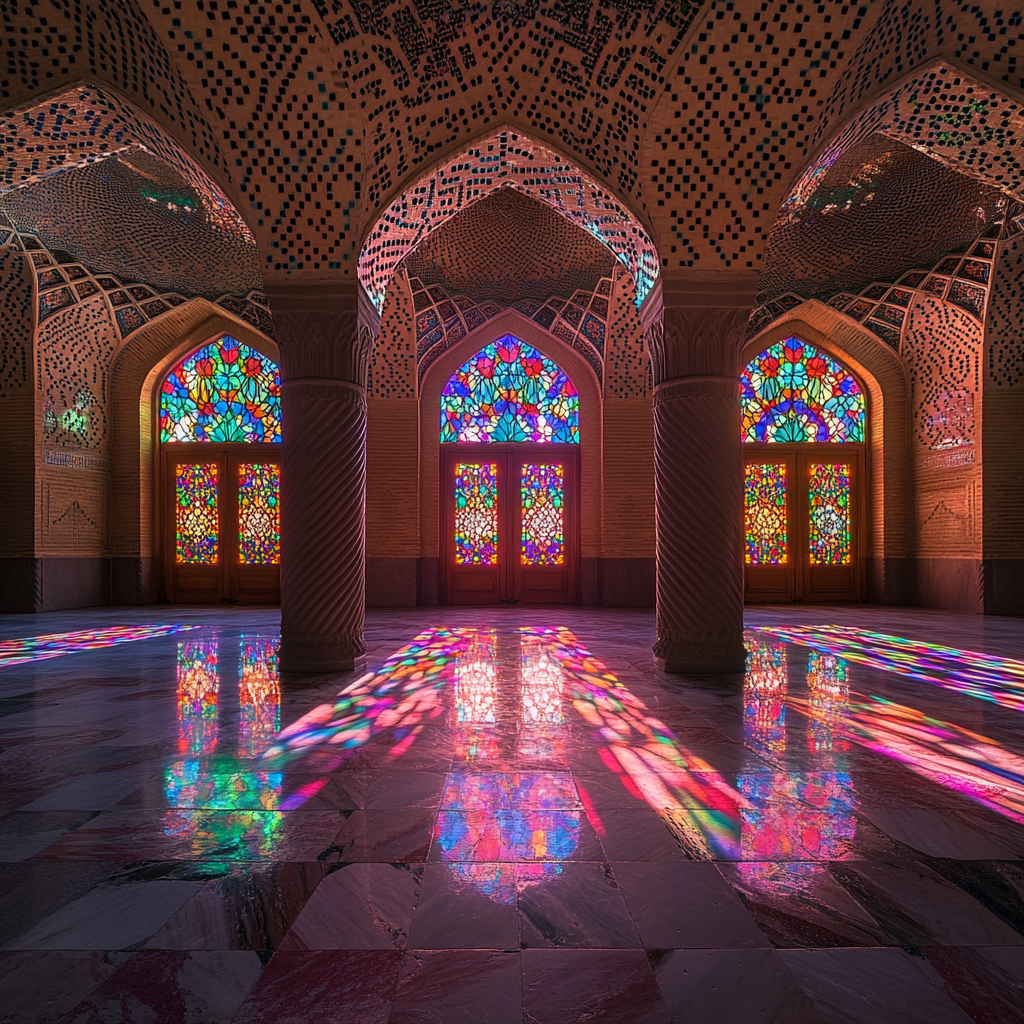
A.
pixel 1004 357
pixel 471 254
pixel 393 367
pixel 942 347
pixel 961 279
pixel 865 221
pixel 154 229
pixel 503 159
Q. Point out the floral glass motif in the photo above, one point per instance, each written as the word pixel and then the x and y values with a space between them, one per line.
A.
pixel 793 392
pixel 543 497
pixel 829 498
pixel 259 513
pixel 225 391
pixel 195 513
pixel 765 513
pixel 508 391
pixel 476 513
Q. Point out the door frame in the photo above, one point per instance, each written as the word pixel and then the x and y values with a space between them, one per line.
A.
pixel 227 455
pixel 799 585
pixel 504 455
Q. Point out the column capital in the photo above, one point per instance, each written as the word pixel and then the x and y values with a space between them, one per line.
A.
pixel 324 330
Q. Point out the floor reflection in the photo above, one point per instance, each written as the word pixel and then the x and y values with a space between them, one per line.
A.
pixel 223 804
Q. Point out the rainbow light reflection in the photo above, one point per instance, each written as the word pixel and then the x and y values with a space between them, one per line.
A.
pixel 986 676
pixel 56 645
pixel 218 804
pixel 396 698
pixel 699 807
pixel 947 754
pixel 499 829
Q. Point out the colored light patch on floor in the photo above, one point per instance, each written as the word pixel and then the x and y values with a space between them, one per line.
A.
pixel 55 645
pixel 986 676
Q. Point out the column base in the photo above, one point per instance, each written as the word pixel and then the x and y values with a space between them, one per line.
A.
pixel 316 655
pixel 701 657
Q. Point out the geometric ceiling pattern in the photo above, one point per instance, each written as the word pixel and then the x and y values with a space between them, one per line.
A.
pixel 504 159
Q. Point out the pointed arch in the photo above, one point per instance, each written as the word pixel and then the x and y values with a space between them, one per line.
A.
pixel 137 373
pixel 224 390
pixel 504 158
pixel 885 382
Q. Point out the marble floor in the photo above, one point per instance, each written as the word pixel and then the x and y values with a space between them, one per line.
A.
pixel 511 817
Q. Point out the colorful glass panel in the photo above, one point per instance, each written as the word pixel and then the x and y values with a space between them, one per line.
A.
pixel 765 513
pixel 543 498
pixel 794 392
pixel 829 498
pixel 225 391
pixel 259 513
pixel 476 513
pixel 196 520
pixel 508 391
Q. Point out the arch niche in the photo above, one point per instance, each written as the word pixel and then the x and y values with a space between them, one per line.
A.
pixel 529 563
pixel 877 456
pixel 140 521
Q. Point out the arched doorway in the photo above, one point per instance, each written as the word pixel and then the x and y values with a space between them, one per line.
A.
pixel 509 434
pixel 804 427
pixel 220 436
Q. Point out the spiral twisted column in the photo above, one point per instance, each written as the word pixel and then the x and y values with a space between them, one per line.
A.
pixel 698 474
pixel 325 340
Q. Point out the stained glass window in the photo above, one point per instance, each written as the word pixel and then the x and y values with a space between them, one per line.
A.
pixel 195 515
pixel 765 498
pixel 225 391
pixel 543 495
pixel 829 498
pixel 793 392
pixel 508 391
pixel 476 513
pixel 259 514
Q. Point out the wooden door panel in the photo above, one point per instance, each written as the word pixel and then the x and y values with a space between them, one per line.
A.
pixel 543 524
pixel 770 547
pixel 809 525
pixel 193 528
pixel 254 575
pixel 494 535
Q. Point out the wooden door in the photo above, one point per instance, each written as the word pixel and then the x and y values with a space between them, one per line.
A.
pixel 254 545
pixel 804 523
pixel 543 525
pixel 510 524
pixel 221 524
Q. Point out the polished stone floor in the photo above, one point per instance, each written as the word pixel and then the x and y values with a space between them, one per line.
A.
pixel 512 817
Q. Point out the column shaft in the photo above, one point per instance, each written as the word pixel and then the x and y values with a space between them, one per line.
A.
pixel 699 499
pixel 323 488
pixel 325 339
pixel 698 472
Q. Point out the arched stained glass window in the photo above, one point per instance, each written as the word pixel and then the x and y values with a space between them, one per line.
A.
pixel 794 392
pixel 508 391
pixel 224 391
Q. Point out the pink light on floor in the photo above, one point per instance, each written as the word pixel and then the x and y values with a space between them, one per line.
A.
pixel 55 645
pixel 986 676
pixel 699 807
